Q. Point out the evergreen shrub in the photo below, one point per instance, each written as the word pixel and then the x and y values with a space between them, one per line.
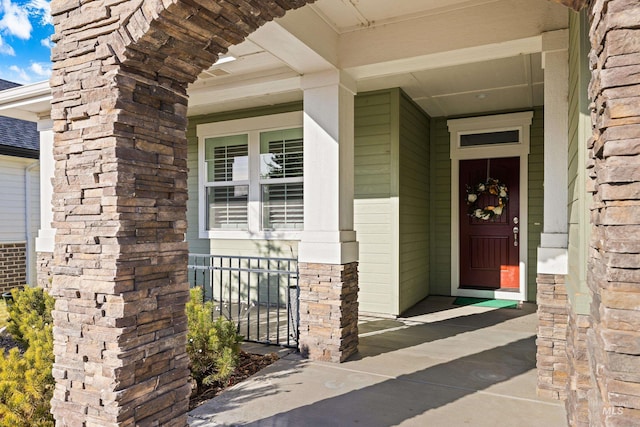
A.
pixel 26 382
pixel 213 344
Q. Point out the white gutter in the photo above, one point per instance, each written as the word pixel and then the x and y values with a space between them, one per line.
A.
pixel 26 102
pixel 27 218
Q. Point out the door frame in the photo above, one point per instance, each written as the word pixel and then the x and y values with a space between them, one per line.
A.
pixel 478 125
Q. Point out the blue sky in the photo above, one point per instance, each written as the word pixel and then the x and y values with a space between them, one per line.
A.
pixel 25 40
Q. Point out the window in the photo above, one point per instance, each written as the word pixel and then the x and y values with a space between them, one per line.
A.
pixel 281 179
pixel 251 177
pixel 227 160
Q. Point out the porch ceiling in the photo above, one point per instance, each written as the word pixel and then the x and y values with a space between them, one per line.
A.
pixel 453 57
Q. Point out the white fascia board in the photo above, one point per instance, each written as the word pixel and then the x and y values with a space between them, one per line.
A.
pixel 449 58
pixel 207 95
pixel 30 102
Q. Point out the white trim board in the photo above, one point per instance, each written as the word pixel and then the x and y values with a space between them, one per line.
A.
pixel 496 123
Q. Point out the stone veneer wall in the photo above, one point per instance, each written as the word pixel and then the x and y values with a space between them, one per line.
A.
pixel 13 265
pixel 328 311
pixel 579 380
pixel 551 357
pixel 119 86
pixel 43 269
pixel 613 341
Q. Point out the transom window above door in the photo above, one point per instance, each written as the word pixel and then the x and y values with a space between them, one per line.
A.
pixel 251 178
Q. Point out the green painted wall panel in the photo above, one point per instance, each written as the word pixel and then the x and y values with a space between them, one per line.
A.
pixel 413 204
pixel 440 221
pixel 374 215
pixel 536 198
pixel 579 132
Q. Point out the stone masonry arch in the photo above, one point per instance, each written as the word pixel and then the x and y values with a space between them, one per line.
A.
pixel 120 75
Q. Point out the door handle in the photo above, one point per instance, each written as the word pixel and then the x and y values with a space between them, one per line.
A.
pixel 516 230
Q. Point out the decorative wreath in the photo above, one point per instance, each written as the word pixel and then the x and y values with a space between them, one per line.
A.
pixel 493 187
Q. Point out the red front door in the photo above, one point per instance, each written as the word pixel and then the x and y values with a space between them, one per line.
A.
pixel 489 247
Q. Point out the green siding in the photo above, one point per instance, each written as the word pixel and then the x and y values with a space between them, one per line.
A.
pixel 579 130
pixel 374 213
pixel 440 221
pixel 413 204
pixel 238 247
pixel 536 199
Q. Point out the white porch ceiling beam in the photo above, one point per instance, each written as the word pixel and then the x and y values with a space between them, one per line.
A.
pixel 303 42
pixel 243 89
pixel 449 58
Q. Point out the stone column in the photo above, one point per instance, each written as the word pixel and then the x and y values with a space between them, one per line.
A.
pixel 552 265
pixel 119 86
pixel 328 251
pixel 46 234
pixel 613 341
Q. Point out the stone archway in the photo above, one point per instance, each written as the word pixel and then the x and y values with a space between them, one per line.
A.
pixel 121 71
pixel 119 106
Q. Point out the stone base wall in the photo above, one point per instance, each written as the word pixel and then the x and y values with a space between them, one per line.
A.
pixel 552 363
pixel 13 265
pixel 577 403
pixel 328 311
pixel 43 269
pixel 613 274
pixel 613 340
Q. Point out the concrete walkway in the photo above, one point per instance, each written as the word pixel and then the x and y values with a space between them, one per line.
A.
pixel 441 365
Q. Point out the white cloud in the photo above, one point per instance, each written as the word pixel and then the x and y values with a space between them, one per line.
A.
pixel 15 20
pixel 22 74
pixel 5 49
pixel 42 70
pixel 41 9
pixel 47 43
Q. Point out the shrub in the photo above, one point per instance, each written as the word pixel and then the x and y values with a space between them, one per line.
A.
pixel 213 345
pixel 26 382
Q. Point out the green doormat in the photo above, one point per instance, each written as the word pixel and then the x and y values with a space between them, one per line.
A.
pixel 486 302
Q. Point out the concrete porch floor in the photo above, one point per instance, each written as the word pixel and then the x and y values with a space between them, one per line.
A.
pixel 439 365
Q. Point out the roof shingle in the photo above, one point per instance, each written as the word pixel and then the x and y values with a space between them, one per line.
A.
pixel 18 137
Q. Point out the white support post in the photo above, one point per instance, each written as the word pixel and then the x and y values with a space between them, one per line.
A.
pixel 328 236
pixel 552 253
pixel 46 234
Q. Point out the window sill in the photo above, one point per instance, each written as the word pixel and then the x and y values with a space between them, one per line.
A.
pixel 250 235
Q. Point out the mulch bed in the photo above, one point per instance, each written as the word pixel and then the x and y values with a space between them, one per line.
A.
pixel 7 343
pixel 248 364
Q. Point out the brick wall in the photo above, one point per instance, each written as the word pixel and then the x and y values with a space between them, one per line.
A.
pixel 13 265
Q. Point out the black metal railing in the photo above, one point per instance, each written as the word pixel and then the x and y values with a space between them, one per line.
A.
pixel 259 294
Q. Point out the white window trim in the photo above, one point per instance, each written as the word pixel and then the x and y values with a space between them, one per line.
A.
pixel 252 127
pixel 502 122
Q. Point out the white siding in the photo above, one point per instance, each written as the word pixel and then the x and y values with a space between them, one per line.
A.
pixel 13 217
pixel 12 195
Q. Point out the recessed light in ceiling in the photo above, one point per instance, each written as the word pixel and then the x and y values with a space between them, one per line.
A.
pixel 481 96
